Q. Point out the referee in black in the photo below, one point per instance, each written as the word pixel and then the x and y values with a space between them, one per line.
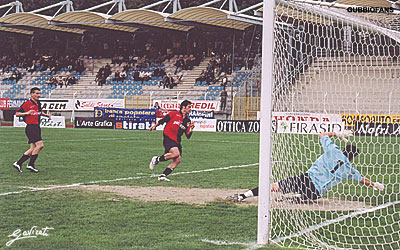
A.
pixel 31 111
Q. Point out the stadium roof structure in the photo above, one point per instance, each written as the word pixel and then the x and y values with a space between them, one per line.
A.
pixel 77 22
pixel 17 31
pixel 29 21
pixel 144 18
pixel 214 17
pixel 88 19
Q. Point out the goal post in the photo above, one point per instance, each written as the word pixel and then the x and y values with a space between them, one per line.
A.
pixel 264 215
pixel 327 68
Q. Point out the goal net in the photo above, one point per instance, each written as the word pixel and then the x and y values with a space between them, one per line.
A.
pixel 336 68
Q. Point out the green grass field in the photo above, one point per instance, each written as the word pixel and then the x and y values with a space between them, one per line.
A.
pixel 95 220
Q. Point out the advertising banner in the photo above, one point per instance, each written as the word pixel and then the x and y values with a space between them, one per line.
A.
pixel 130 114
pixel 201 125
pixel 54 122
pixel 131 119
pixel 16 103
pixel 4 103
pixel 94 122
pixel 196 114
pixel 196 105
pixel 377 129
pixel 306 123
pixel 351 119
pixel 205 125
pixel 131 124
pixel 80 104
pixel 56 105
pixel 245 126
pixel 90 104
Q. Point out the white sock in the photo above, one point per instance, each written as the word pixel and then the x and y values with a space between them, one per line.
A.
pixel 249 193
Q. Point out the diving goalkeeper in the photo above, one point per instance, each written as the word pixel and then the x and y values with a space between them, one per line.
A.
pixel 330 169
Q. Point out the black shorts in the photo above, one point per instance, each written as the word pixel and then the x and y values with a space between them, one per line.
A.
pixel 33 132
pixel 301 184
pixel 169 143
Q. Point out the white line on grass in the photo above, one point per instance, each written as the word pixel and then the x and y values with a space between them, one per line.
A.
pixel 250 245
pixel 338 219
pixel 226 243
pixel 33 189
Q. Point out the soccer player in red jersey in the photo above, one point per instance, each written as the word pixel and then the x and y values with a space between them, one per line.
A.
pixel 177 123
pixel 31 110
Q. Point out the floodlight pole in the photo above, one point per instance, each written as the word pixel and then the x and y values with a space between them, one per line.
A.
pixel 265 159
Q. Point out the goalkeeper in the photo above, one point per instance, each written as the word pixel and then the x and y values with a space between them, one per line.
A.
pixel 330 169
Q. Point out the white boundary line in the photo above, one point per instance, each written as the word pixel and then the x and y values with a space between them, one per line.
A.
pixel 34 189
pixel 251 245
pixel 226 243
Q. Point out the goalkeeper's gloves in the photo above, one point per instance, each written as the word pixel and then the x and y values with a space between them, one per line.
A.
pixel 378 186
pixel 343 134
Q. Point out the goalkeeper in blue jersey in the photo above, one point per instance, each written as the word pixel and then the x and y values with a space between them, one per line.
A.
pixel 330 169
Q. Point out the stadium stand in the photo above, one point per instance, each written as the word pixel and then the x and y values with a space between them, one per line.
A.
pixel 324 83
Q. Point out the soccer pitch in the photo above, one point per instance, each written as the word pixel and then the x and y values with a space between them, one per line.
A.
pixel 85 218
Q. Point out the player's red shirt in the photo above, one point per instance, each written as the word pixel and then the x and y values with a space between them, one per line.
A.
pixel 176 125
pixel 31 105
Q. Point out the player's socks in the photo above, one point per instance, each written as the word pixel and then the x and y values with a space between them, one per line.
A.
pixel 32 160
pixel 167 171
pixel 250 193
pixel 161 158
pixel 23 159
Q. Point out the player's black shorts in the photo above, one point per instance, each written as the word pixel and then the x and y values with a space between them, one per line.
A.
pixel 169 143
pixel 33 132
pixel 301 184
